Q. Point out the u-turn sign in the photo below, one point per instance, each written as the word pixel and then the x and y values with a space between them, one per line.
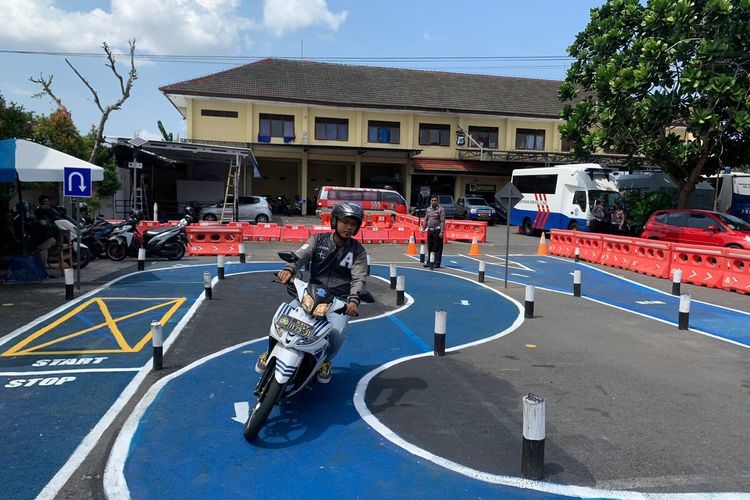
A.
pixel 77 182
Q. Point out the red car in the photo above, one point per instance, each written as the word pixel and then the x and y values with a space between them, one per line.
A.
pixel 698 227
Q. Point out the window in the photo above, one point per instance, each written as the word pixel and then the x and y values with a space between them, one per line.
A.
pixel 579 198
pixel 276 126
pixel 700 221
pixel 384 132
pixel 544 184
pixel 486 136
pixel 431 134
pixel 677 219
pixel 219 113
pixel 393 198
pixel 661 218
pixel 530 139
pixel 331 129
pixel 347 195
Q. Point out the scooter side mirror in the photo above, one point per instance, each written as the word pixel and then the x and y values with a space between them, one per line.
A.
pixel 289 257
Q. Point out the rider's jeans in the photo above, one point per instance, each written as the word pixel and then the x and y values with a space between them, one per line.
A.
pixel 338 333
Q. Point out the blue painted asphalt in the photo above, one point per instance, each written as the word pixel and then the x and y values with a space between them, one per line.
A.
pixel 556 274
pixel 41 425
pixel 314 445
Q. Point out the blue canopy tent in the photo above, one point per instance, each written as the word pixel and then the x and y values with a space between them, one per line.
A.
pixel 27 161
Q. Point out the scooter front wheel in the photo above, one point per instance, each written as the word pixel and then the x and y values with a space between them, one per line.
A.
pixel 116 252
pixel 263 407
pixel 175 251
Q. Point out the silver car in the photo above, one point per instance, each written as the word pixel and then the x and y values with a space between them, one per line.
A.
pixel 250 208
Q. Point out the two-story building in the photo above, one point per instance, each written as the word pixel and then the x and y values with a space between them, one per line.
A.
pixel 312 124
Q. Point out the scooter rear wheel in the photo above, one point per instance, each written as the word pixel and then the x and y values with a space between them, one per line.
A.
pixel 116 252
pixel 263 407
pixel 176 251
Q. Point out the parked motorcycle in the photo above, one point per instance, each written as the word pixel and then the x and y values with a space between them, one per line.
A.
pixel 169 242
pixel 301 328
pixel 95 236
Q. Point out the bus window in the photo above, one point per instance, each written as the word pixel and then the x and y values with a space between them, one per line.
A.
pixel 579 198
pixel 349 195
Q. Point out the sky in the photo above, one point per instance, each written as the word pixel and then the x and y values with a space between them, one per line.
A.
pixel 179 40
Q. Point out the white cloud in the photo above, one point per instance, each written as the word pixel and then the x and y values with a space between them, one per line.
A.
pixel 159 26
pixel 282 16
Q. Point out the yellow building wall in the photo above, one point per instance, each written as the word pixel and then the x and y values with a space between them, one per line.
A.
pixel 217 128
pixel 552 141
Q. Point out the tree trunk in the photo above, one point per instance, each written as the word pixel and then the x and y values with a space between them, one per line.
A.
pixel 692 180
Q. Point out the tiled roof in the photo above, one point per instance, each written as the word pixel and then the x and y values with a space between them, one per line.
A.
pixel 308 82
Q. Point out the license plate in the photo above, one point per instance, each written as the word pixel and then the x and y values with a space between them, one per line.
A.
pixel 295 326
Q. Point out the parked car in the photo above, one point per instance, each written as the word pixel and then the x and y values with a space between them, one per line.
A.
pixel 698 227
pixel 444 200
pixel 250 208
pixel 475 208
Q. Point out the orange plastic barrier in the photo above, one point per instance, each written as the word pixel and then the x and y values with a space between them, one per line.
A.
pixel 294 233
pixel 406 220
pixel 562 243
pixel 400 234
pixel 375 234
pixel 701 265
pixel 421 236
pixel 737 272
pixel 590 245
pixel 213 240
pixel 617 251
pixel 466 230
pixel 267 232
pixel 325 219
pixel 378 219
pixel 248 230
pixel 320 229
pixel 651 257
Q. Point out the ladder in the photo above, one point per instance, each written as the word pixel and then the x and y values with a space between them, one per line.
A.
pixel 228 211
pixel 138 198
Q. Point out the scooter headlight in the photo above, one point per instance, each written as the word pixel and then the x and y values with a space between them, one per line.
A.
pixel 321 310
pixel 308 303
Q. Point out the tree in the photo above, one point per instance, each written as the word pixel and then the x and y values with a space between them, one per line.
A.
pixel 125 88
pixel 167 136
pixel 665 83
pixel 58 131
pixel 15 121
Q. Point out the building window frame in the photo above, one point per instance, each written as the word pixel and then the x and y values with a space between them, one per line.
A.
pixel 331 129
pixel 219 113
pixel 434 134
pixel 272 125
pixel 383 132
pixel 530 139
pixel 486 136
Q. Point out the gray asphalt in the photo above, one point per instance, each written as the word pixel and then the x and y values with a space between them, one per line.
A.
pixel 631 403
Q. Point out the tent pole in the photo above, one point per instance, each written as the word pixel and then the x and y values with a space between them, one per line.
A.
pixel 22 211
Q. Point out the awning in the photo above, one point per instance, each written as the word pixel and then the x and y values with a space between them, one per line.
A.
pixel 434 165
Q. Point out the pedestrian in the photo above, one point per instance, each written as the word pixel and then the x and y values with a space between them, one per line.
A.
pixel 619 220
pixel 600 214
pixel 434 224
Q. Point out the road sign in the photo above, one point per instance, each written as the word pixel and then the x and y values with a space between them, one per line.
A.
pixel 135 164
pixel 508 196
pixel 77 182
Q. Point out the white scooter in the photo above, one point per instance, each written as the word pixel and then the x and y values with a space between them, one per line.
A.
pixel 301 328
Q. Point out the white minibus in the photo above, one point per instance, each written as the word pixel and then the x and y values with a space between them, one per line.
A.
pixel 560 197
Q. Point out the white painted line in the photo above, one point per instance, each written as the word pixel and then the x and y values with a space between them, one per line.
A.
pixel 55 372
pixel 520 275
pixel 464 302
pixel 649 302
pixel 241 411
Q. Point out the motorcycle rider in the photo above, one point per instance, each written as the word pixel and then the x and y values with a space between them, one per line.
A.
pixel 338 262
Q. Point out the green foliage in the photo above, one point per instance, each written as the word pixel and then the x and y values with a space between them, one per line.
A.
pixel 105 159
pixel 167 136
pixel 58 131
pixel 15 121
pixel 666 83
pixel 642 204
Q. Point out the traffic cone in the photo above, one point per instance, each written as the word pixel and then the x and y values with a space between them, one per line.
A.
pixel 411 249
pixel 474 249
pixel 542 249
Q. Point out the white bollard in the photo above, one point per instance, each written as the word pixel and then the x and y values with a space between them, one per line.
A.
pixel 368 264
pixel 141 259
pixel 676 280
pixel 577 254
pixel 156 212
pixel 207 285
pixel 421 253
pixel 432 260
pixel 157 339
pixel 393 276
pixel 400 286
pixel 441 325
pixel 481 271
pixel 69 282
pixel 577 283
pixel 532 451
pixel 529 303
pixel 220 266
pixel 242 252
pixel 684 316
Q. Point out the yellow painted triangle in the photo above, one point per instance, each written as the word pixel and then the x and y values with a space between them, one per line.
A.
pixel 24 347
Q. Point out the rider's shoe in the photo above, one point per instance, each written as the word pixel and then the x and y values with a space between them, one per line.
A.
pixel 260 365
pixel 324 373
